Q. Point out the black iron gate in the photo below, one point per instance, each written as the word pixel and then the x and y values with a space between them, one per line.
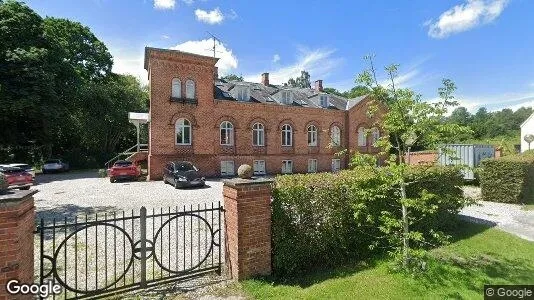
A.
pixel 99 256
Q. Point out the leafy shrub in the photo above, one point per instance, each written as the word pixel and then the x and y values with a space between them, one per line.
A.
pixel 102 173
pixel 509 179
pixel 3 183
pixel 324 219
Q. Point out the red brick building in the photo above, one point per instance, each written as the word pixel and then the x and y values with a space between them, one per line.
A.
pixel 220 125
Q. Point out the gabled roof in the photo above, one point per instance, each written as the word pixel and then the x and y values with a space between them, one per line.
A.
pixel 526 121
pixel 272 94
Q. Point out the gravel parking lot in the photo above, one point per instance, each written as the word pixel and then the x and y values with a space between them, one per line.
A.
pixel 99 255
pixel 74 193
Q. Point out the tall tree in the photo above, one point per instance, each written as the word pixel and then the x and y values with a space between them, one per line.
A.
pixel 303 81
pixel 232 77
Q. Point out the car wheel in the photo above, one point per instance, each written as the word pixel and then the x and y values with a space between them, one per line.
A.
pixel 25 188
pixel 176 186
pixel 111 179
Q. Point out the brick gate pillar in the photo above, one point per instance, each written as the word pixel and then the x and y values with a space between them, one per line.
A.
pixel 17 222
pixel 247 204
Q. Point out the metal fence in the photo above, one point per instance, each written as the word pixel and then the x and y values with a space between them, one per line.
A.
pixel 93 257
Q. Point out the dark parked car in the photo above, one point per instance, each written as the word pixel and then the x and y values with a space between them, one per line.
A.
pixel 182 174
pixel 55 165
pixel 17 178
pixel 123 169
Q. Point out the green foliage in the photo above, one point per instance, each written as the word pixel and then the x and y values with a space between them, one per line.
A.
pixel 354 92
pixel 324 219
pixel 509 179
pixel 303 81
pixel 232 77
pixel 58 96
pixel 3 183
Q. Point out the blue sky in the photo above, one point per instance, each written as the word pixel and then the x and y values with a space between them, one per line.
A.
pixel 484 46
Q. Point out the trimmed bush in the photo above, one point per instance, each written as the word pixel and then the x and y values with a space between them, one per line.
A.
pixel 325 219
pixel 3 183
pixel 509 179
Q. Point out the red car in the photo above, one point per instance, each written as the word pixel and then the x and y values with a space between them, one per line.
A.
pixel 17 178
pixel 123 169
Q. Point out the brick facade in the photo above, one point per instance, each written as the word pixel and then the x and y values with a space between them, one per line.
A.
pixel 247 205
pixel 17 221
pixel 207 114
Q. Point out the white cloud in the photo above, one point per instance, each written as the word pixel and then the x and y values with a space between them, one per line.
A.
pixel 188 2
pixel 125 62
pixel 318 63
pixel 165 37
pixel 210 17
pixel 465 16
pixel 232 15
pixel 227 60
pixel 276 58
pixel 164 4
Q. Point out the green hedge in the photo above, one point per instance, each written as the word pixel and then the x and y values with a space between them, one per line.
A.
pixel 509 179
pixel 325 219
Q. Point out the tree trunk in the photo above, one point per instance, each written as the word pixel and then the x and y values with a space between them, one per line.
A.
pixel 405 227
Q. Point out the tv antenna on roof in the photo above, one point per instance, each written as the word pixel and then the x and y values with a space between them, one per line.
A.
pixel 215 40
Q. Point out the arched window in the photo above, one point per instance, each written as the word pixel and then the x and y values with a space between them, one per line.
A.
pixel 227 133
pixel 312 135
pixel 287 135
pixel 183 132
pixel 375 134
pixel 176 88
pixel 258 134
pixel 335 136
pixel 362 137
pixel 190 89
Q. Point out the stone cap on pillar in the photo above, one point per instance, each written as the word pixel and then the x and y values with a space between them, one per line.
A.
pixel 14 197
pixel 239 182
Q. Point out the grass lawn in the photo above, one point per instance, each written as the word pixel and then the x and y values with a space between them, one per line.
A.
pixel 528 207
pixel 478 255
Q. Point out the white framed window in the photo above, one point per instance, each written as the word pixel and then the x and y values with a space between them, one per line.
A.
pixel 335 136
pixel 190 89
pixel 362 137
pixel 243 94
pixel 324 101
pixel 259 167
pixel 312 135
pixel 258 134
pixel 286 97
pixel 336 164
pixel 312 165
pixel 287 135
pixel 227 133
pixel 227 168
pixel 176 88
pixel 183 132
pixel 287 166
pixel 375 134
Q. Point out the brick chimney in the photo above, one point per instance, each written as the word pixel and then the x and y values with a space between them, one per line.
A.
pixel 216 73
pixel 319 85
pixel 265 79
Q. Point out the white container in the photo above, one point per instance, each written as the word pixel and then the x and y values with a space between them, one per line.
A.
pixel 467 155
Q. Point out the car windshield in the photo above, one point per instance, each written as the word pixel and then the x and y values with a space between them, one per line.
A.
pixel 123 163
pixel 52 161
pixel 22 166
pixel 10 170
pixel 183 166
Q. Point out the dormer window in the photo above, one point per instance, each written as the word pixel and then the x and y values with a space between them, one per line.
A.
pixel 324 101
pixel 286 97
pixel 243 94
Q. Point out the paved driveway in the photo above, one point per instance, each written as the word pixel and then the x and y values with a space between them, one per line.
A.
pixel 68 194
pixel 508 217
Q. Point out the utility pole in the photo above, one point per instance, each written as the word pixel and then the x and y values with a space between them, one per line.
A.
pixel 215 39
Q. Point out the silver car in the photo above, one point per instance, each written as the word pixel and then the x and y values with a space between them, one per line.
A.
pixel 55 165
